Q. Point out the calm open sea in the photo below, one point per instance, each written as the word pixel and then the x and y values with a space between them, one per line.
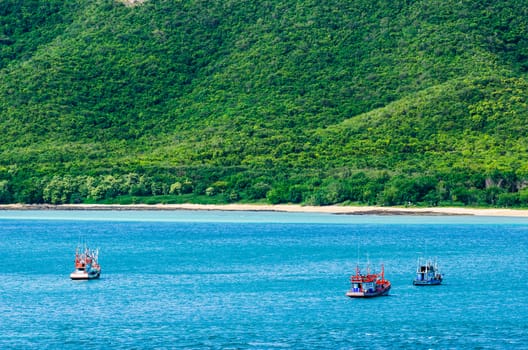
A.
pixel 250 280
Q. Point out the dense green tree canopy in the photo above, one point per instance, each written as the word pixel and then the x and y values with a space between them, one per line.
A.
pixel 318 102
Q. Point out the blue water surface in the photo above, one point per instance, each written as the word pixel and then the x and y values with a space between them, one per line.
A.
pixel 254 280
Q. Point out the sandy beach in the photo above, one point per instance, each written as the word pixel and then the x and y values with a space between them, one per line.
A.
pixel 332 209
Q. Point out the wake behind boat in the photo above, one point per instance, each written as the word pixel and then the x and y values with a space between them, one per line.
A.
pixel 86 264
pixel 368 285
pixel 427 273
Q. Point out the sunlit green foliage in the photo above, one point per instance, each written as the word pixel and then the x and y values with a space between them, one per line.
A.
pixel 367 102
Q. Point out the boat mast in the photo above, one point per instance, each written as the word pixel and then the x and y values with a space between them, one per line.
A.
pixel 357 256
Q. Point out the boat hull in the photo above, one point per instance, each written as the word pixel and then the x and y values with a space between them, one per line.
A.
pixel 377 293
pixel 83 275
pixel 427 283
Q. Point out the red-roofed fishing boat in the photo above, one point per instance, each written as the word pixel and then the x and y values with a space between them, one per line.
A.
pixel 86 264
pixel 368 285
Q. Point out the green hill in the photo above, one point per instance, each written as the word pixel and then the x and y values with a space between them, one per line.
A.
pixel 371 102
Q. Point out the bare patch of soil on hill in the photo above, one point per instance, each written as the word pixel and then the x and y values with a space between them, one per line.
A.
pixel 132 2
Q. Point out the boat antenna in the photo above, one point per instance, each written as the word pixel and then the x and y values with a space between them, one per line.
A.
pixel 357 256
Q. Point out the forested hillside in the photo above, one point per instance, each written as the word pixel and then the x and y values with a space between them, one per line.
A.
pixel 318 102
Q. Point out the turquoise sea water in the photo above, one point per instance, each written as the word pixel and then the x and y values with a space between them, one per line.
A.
pixel 250 280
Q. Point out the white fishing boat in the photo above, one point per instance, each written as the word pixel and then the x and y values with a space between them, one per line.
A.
pixel 86 264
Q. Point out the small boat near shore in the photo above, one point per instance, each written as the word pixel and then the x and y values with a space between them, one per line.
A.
pixel 368 285
pixel 86 264
pixel 427 273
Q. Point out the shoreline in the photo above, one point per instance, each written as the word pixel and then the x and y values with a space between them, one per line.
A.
pixel 291 208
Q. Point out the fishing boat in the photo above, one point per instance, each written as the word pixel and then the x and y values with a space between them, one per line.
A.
pixel 86 264
pixel 427 273
pixel 368 285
